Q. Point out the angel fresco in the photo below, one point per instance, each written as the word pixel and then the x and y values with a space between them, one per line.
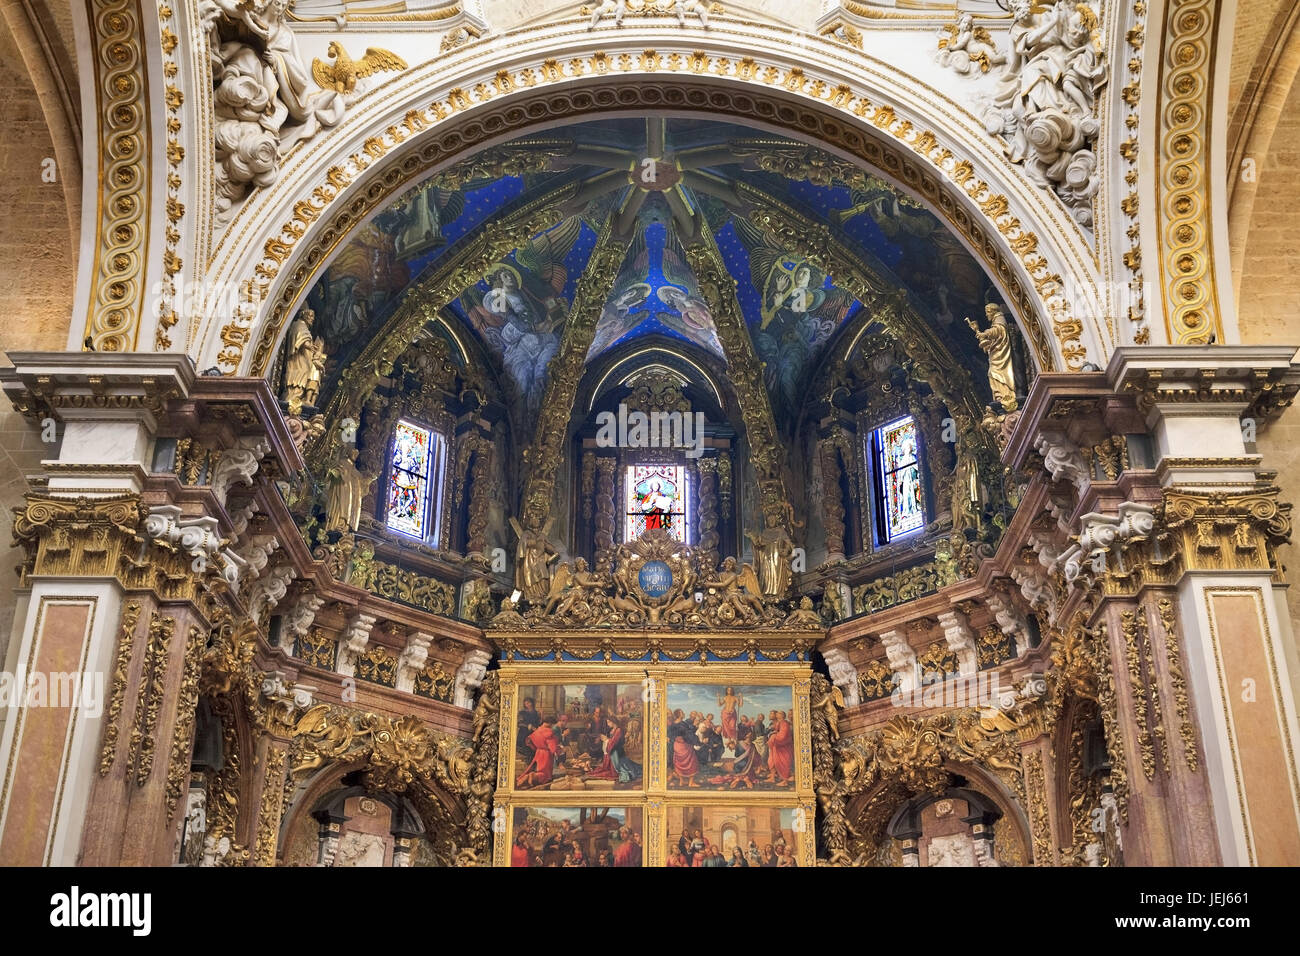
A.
pixel 933 262
pixel 692 317
pixel 521 311
pixel 799 310
pixel 624 311
pixel 366 272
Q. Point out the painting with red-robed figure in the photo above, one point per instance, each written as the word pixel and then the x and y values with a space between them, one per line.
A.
pixel 579 737
pixel 577 837
pixel 730 737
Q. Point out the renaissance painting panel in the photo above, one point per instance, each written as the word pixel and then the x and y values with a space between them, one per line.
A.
pixel 732 836
pixel 730 737
pixel 579 737
pixel 576 836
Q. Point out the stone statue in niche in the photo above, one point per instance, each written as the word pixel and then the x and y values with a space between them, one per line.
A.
pixel 996 343
pixel 346 488
pixel 533 556
pixel 967 494
pixel 1044 108
pixel 773 551
pixel 305 366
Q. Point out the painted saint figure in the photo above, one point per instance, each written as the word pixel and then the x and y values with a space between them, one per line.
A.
pixel 682 744
pixel 546 751
pixel 730 703
pixel 780 749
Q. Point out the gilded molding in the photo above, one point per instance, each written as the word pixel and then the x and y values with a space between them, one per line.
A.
pixel 117 693
pixel 1108 702
pixel 271 808
pixel 395 583
pixel 1226 530
pixel 1153 689
pixel 105 535
pixel 1130 205
pixel 1173 652
pixel 1039 825
pixel 1191 294
pixel 121 87
pixel 153 688
pixel 397 752
pixel 486 745
pixel 1142 717
pixel 174 209
pixel 178 764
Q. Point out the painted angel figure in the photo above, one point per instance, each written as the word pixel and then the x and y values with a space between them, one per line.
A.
pixel 521 312
pixel 798 313
pixel 622 313
pixel 694 318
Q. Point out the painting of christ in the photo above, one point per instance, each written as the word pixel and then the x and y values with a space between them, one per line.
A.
pixel 576 837
pixel 730 836
pixel 579 737
pixel 730 737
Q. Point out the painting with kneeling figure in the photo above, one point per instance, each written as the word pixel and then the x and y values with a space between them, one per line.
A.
pixel 576 836
pixel 579 737
pixel 730 737
pixel 732 836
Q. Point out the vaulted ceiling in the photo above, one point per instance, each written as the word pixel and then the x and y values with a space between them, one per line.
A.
pixel 647 189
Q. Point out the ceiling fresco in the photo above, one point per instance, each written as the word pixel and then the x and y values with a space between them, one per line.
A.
pixel 655 293
pixel 655 185
pixel 520 307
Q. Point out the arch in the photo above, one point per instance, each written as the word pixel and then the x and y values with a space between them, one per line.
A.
pixel 53 75
pixel 1253 122
pixel 858 108
pixel 696 366
pixel 439 814
pixel 1251 128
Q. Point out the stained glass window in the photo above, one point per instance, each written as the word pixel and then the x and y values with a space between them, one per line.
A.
pixel 416 456
pixel 656 498
pixel 900 477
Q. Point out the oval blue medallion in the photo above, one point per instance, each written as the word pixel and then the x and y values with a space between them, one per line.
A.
pixel 655 578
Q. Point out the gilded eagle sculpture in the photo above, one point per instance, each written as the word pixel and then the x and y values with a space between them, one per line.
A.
pixel 342 75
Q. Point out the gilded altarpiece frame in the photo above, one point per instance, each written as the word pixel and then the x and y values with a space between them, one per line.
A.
pixel 654 796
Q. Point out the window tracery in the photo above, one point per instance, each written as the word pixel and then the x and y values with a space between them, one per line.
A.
pixel 900 495
pixel 417 459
